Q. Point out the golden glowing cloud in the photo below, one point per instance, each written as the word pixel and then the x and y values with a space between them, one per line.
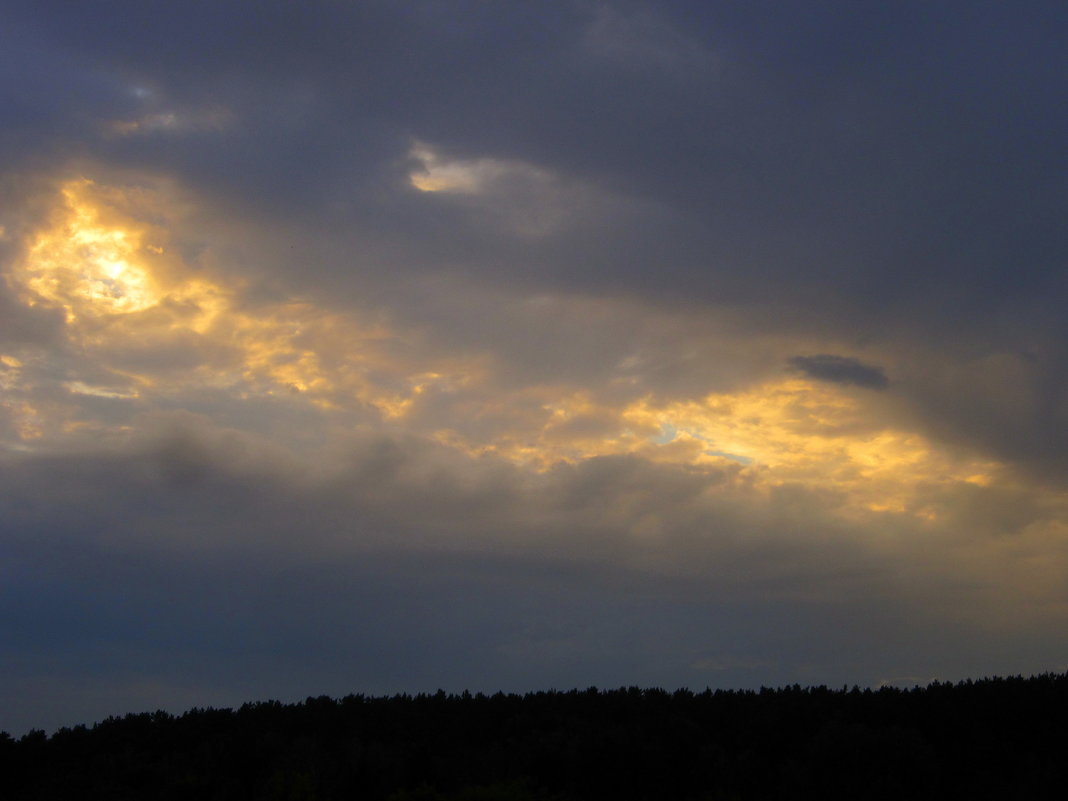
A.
pixel 84 265
pixel 783 432
pixel 801 432
pixel 105 258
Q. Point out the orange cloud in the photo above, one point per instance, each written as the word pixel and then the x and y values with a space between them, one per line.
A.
pixel 107 259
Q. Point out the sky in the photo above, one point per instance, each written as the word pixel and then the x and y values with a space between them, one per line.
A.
pixel 377 347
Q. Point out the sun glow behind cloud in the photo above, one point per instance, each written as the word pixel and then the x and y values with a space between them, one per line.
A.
pixel 107 262
pixel 799 432
pixel 106 258
pixel 84 265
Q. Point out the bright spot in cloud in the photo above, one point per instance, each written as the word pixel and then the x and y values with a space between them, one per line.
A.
pixel 437 173
pixel 514 197
pixel 85 265
pixel 138 313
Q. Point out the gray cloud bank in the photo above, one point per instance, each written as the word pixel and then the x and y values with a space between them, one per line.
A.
pixel 201 566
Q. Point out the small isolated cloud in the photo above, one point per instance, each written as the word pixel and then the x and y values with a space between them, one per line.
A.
pixel 840 370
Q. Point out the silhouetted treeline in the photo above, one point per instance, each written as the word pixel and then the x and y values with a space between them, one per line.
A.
pixel 994 738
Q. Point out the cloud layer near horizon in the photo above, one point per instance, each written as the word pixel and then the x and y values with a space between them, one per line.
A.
pixel 386 347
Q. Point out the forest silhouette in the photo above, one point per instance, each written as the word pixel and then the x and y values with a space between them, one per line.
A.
pixel 1001 738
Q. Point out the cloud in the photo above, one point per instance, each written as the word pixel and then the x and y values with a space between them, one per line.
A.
pixel 840 370
pixel 382 347
pixel 208 558
pixel 640 40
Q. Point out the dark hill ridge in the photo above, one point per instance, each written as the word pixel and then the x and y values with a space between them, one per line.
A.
pixel 1002 738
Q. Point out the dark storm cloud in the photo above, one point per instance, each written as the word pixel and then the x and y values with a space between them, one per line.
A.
pixel 841 370
pixel 850 153
pixel 51 98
